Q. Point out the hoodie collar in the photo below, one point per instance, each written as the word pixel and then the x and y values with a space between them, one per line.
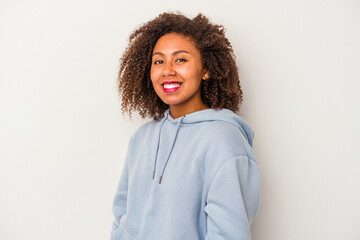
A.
pixel 206 115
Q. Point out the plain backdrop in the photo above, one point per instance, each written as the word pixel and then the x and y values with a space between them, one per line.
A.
pixel 63 138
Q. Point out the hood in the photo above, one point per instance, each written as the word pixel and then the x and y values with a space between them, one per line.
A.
pixel 207 115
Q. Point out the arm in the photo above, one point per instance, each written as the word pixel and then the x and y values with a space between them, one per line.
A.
pixel 120 200
pixel 233 200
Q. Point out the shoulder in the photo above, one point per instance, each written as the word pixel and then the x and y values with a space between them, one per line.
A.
pixel 224 140
pixel 224 135
pixel 145 130
pixel 222 129
pixel 226 144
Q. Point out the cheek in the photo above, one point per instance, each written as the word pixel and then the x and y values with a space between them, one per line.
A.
pixel 192 73
pixel 151 73
pixel 154 77
pixel 154 74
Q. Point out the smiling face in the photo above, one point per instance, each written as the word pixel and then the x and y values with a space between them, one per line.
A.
pixel 176 74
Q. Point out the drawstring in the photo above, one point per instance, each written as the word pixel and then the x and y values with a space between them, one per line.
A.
pixel 171 149
pixel 157 149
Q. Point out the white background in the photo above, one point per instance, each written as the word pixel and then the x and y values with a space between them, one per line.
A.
pixel 63 138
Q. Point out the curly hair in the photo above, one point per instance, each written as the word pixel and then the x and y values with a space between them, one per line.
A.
pixel 221 90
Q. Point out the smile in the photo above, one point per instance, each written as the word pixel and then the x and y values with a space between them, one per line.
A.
pixel 170 87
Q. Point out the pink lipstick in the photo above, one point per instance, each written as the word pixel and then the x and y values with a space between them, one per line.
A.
pixel 170 87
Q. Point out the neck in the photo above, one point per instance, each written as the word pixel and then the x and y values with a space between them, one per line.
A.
pixel 178 111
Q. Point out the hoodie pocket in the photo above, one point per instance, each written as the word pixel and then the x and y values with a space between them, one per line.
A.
pixel 124 235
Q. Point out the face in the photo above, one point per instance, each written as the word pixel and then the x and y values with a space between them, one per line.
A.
pixel 177 71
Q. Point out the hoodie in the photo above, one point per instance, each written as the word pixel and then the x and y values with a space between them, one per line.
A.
pixel 193 177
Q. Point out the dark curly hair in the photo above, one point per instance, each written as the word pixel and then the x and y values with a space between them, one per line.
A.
pixel 221 90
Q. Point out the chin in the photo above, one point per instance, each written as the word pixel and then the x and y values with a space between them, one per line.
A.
pixel 168 101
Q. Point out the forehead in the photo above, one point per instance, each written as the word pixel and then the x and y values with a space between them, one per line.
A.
pixel 174 41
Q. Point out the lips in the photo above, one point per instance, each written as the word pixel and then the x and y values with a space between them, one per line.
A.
pixel 170 87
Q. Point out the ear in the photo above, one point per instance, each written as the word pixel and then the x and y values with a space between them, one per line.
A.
pixel 206 75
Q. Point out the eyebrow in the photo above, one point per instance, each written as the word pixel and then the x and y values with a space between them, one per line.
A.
pixel 174 53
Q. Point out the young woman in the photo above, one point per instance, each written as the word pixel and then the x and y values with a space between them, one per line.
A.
pixel 190 173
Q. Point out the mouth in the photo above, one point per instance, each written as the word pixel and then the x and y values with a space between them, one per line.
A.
pixel 170 87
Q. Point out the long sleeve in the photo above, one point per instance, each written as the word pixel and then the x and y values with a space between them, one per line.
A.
pixel 233 200
pixel 120 200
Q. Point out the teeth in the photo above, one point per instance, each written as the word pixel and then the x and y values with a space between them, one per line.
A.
pixel 172 85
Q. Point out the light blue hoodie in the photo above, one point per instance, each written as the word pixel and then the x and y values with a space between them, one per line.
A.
pixel 194 177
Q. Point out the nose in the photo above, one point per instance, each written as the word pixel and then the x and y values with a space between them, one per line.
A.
pixel 168 69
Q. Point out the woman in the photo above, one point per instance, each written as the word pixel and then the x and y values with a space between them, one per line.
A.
pixel 191 172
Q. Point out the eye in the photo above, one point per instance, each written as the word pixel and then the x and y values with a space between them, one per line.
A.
pixel 158 62
pixel 181 60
